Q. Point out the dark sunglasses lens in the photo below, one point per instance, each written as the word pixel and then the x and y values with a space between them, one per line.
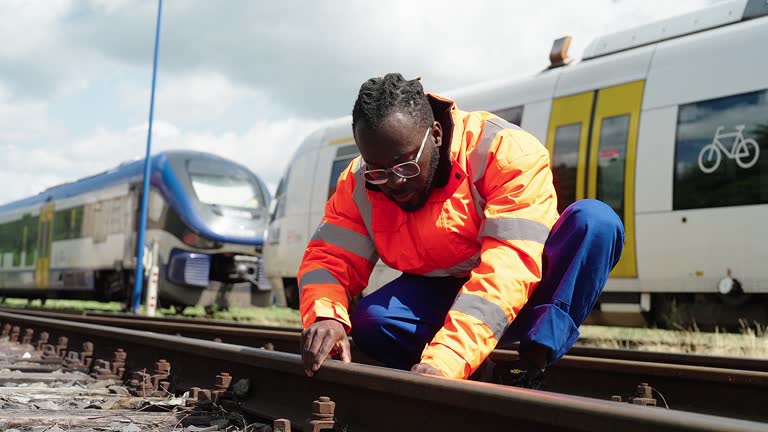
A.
pixel 407 170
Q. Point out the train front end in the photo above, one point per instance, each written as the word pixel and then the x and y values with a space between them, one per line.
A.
pixel 208 217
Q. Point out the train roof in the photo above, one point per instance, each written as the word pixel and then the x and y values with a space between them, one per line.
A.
pixel 717 15
pixel 119 174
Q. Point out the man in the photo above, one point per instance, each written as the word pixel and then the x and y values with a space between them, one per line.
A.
pixel 463 204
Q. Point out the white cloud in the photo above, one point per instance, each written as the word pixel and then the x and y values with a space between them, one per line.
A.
pixel 205 97
pixel 264 148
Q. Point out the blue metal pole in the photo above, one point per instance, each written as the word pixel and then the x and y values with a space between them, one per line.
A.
pixel 139 277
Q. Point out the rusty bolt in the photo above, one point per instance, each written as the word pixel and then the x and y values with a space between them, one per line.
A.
pixel 6 330
pixel 644 391
pixel 204 395
pixel 162 367
pixel 616 398
pixel 281 425
pixel 217 340
pixel 323 407
pixel 88 348
pixel 269 346
pixel 223 380
pixel 120 355
pixel 28 335
pixel 15 334
pixel 42 341
pixel 193 392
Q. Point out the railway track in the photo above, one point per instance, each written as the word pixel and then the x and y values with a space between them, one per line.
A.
pixel 732 387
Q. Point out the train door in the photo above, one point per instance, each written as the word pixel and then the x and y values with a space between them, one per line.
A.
pixel 44 234
pixel 592 138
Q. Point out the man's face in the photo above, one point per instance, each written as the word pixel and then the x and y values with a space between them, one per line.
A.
pixel 396 141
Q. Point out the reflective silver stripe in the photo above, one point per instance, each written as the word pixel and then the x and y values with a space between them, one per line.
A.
pixel 346 239
pixel 361 197
pixel 317 276
pixel 460 268
pixel 514 229
pixel 478 201
pixel 485 310
pixel 479 156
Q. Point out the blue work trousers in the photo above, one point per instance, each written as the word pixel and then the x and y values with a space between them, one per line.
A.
pixel 394 323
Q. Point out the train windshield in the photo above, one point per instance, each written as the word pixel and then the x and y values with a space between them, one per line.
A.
pixel 226 190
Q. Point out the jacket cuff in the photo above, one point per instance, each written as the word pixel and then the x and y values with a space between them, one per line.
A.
pixel 446 361
pixel 325 309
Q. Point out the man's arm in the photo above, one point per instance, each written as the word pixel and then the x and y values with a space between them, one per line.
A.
pixel 520 210
pixel 337 264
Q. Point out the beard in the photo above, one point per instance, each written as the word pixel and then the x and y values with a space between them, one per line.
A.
pixel 434 162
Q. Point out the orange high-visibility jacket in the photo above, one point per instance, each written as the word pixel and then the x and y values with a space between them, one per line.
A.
pixel 489 222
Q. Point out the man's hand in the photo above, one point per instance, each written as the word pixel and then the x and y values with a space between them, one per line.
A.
pixel 426 369
pixel 319 339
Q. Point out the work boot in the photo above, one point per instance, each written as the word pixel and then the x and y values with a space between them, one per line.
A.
pixel 521 374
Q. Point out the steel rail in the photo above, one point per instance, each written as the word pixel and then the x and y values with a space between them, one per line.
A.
pixel 370 398
pixel 287 338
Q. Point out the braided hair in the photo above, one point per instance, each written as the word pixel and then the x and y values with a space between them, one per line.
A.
pixel 380 97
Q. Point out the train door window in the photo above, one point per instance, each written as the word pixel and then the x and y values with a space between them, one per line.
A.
pixel 565 163
pixel 344 156
pixel 721 152
pixel 30 228
pixel 513 115
pixel 612 157
pixel 18 244
pixel 611 167
pixel 277 210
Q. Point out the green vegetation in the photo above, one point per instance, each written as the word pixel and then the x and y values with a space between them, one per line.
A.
pixel 275 316
pixel 752 341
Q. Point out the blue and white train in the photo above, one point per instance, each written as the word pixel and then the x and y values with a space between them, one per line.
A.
pixel 206 214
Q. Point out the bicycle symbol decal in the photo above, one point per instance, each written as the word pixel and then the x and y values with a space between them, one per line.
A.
pixel 745 151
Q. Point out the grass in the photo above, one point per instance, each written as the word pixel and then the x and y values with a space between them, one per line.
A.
pixel 752 341
pixel 275 316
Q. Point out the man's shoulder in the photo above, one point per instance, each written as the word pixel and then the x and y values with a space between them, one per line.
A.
pixel 506 140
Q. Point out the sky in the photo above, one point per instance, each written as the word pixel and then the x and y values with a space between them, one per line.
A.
pixel 248 80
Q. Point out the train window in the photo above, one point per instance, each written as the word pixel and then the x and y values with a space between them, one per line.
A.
pixel 278 204
pixel 68 224
pixel 611 163
pixel 513 115
pixel 721 152
pixel 565 163
pixel 225 190
pixel 344 156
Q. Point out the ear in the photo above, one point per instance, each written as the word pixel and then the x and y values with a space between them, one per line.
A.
pixel 437 133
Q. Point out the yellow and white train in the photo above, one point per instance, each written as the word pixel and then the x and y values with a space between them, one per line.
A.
pixel 667 123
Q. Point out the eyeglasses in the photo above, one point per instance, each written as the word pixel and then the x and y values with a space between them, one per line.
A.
pixel 404 170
